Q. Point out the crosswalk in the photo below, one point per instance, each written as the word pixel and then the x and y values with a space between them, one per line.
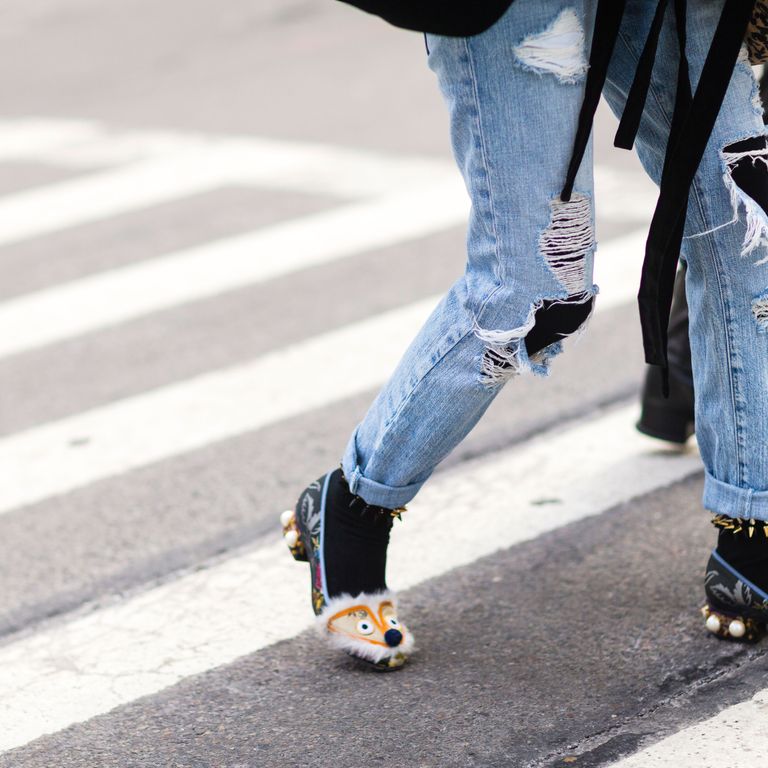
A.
pixel 67 669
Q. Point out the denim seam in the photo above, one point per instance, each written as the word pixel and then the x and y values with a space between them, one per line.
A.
pixel 732 354
pixel 486 172
pixel 754 100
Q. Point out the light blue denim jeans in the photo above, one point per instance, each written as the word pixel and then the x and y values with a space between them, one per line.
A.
pixel 513 94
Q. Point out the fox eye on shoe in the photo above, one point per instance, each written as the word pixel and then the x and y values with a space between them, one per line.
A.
pixel 365 627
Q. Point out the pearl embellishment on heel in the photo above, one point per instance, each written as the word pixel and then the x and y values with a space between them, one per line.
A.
pixel 737 628
pixel 713 624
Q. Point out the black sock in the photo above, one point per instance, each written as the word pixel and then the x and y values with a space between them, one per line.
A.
pixel 355 541
pixel 747 554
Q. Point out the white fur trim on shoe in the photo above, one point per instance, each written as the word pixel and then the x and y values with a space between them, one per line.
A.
pixel 358 625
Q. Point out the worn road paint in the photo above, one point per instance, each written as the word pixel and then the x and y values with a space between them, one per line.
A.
pixel 736 737
pixel 98 660
pixel 92 303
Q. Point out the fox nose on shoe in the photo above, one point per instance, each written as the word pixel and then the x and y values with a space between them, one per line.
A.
pixel 393 637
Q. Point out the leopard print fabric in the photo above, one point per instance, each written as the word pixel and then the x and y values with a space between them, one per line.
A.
pixel 757 33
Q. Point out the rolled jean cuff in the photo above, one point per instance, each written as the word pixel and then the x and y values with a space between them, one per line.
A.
pixel 724 499
pixel 378 494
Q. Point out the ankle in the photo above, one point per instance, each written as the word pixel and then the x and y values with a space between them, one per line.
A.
pixel 743 544
pixel 371 511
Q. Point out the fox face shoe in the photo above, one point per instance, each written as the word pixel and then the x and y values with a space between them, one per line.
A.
pixel 367 627
pixel 736 580
pixel 345 541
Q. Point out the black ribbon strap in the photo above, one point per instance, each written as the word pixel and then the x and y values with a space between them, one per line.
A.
pixel 691 129
pixel 638 93
pixel 659 269
pixel 607 23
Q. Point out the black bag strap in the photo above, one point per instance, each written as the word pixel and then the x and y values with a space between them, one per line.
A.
pixel 607 23
pixel 638 93
pixel 456 18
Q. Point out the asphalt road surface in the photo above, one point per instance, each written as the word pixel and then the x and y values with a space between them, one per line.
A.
pixel 214 246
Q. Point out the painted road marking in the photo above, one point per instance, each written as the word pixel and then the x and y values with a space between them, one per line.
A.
pixel 158 166
pixel 41 211
pixel 737 737
pixel 98 301
pixel 39 139
pixel 61 456
pixel 70 672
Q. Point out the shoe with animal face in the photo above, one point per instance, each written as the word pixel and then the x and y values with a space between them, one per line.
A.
pixel 736 580
pixel 345 540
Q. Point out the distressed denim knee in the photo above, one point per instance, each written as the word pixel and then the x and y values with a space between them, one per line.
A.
pixel 565 249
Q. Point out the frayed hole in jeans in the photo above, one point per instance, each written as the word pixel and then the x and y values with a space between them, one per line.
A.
pixel 558 50
pixel 760 311
pixel 746 178
pixel 533 345
pixel 568 240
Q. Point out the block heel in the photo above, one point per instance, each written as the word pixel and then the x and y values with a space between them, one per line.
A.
pixel 292 536
pixel 736 608
pixel 666 424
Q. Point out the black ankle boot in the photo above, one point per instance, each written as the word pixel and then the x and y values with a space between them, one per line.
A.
pixel 345 542
pixel 736 582
pixel 671 418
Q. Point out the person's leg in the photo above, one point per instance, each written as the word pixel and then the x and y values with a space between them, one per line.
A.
pixel 727 275
pixel 513 94
pixel 672 418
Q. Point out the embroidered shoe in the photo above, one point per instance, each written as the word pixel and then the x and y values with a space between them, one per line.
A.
pixel 735 582
pixel 345 540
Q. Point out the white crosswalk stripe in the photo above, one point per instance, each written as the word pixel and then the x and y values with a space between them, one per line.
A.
pixel 148 162
pixel 61 456
pixel 37 319
pixel 736 737
pixel 37 139
pixel 38 212
pixel 103 659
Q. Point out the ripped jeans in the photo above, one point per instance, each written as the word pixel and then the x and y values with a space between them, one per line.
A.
pixel 514 94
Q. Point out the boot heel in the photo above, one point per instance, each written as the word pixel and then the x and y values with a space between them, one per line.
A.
pixel 741 628
pixel 663 423
pixel 292 536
